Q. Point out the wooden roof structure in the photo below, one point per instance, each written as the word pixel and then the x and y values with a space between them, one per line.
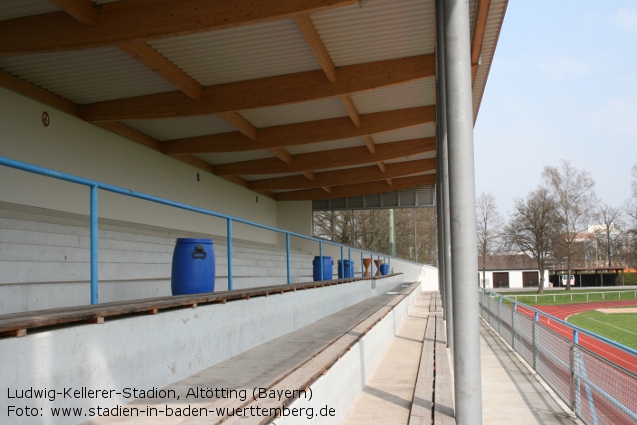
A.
pixel 296 100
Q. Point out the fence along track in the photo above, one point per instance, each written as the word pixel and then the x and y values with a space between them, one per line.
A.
pixel 599 391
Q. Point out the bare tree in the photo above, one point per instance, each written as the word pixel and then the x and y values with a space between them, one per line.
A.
pixel 532 227
pixel 630 233
pixel 609 219
pixel 490 226
pixel 575 202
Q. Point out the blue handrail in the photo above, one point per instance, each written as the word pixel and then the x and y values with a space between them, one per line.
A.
pixel 95 185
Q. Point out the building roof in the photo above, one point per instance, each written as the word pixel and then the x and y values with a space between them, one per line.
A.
pixel 297 100
pixel 508 262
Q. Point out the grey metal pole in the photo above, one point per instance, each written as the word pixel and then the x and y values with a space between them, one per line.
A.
pixel 443 170
pixel 464 252
pixel 439 222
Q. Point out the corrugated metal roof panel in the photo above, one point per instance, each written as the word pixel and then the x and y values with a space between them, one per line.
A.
pixel 296 112
pixel 241 53
pixel 177 128
pixel 408 95
pixel 87 76
pixel 418 131
pixel 380 30
pixel 316 147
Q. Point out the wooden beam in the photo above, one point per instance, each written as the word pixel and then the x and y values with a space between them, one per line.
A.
pixel 369 142
pixel 157 63
pixel 264 92
pixel 36 93
pixel 347 176
pixel 240 123
pixel 329 159
pixel 327 189
pixel 144 20
pixel 351 109
pixel 358 189
pixel 130 134
pixel 310 175
pixel 314 41
pixel 82 11
pixel 381 166
pixel 304 133
pixel 282 154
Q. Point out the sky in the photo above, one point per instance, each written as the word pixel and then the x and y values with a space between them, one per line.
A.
pixel 563 85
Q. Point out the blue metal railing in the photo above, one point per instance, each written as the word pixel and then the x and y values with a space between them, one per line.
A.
pixel 95 186
pixel 599 390
pixel 575 329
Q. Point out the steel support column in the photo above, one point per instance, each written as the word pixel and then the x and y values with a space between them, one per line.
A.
pixel 444 231
pixel 466 330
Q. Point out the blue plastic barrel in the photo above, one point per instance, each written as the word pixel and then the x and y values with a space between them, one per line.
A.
pixel 193 269
pixel 384 269
pixel 347 270
pixel 327 268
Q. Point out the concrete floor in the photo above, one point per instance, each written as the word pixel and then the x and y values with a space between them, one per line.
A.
pixel 511 393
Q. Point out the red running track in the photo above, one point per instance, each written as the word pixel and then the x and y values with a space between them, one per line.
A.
pixel 615 355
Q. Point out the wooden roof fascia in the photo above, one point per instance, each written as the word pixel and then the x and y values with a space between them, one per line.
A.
pixel 144 20
pixel 303 133
pixel 156 62
pixel 482 14
pixel 357 189
pixel 82 11
pixel 347 176
pixel 329 159
pixel 263 92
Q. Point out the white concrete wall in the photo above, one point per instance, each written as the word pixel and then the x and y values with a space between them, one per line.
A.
pixel 73 146
pixel 295 216
pixel 154 351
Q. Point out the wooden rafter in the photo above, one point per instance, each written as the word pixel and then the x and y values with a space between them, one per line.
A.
pixel 144 20
pixel 263 92
pixel 36 93
pixel 157 63
pixel 357 189
pixel 329 159
pixel 351 109
pixel 313 39
pixel 82 11
pixel 303 133
pixel 347 176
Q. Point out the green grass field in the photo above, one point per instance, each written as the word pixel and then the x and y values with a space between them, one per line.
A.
pixel 620 327
pixel 560 296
